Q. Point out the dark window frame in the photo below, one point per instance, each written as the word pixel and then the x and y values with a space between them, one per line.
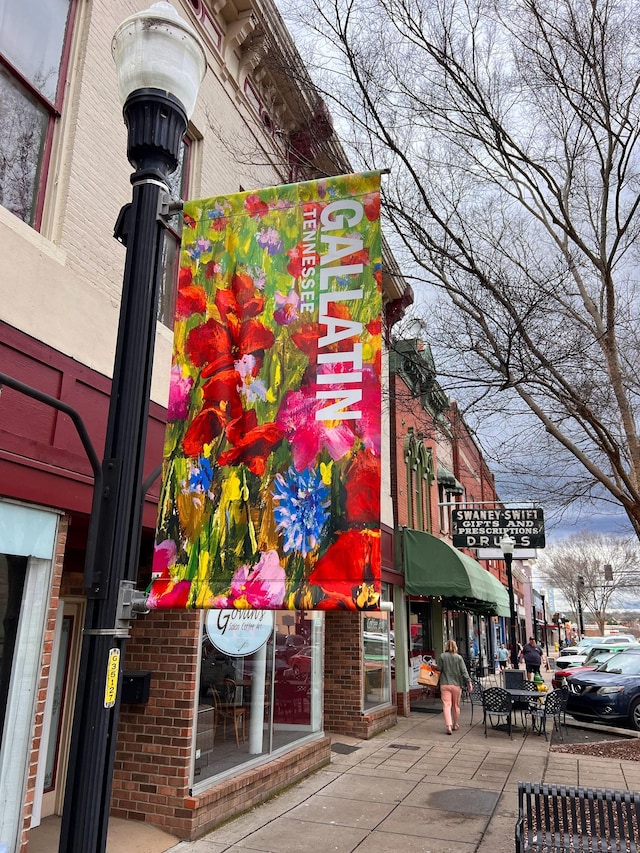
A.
pixel 53 108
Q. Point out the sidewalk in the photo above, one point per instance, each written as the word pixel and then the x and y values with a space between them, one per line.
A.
pixel 413 789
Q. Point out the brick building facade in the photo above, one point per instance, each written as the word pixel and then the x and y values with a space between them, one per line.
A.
pixel 256 124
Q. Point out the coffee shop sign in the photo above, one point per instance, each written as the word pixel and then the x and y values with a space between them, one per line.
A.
pixel 484 528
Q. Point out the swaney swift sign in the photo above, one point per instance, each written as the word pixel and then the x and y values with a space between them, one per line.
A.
pixel 484 528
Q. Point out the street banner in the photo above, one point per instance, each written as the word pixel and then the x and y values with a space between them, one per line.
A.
pixel 271 486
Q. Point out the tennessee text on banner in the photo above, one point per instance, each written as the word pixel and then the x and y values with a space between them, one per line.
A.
pixel 271 488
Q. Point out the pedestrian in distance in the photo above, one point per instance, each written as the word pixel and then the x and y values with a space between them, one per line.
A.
pixel 454 677
pixel 532 655
pixel 503 656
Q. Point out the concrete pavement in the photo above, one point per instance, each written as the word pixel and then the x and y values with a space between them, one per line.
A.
pixel 413 789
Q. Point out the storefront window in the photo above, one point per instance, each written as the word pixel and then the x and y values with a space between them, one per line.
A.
pixel 379 656
pixel 255 704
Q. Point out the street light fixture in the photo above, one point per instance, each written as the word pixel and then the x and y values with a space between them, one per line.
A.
pixel 507 545
pixel 160 64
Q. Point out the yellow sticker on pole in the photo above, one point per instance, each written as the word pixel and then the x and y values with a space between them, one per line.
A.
pixel 111 686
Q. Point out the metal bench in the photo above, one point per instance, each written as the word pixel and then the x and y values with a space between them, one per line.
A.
pixel 567 819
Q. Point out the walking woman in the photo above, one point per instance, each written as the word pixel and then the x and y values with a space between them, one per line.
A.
pixel 453 678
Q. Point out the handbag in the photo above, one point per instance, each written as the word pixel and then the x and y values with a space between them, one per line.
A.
pixel 428 676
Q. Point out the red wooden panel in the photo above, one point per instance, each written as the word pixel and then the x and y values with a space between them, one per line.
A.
pixel 21 415
pixel 41 456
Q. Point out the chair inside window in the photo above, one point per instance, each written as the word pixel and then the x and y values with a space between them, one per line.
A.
pixel 496 707
pixel 236 708
pixel 228 707
pixel 551 707
pixel 221 713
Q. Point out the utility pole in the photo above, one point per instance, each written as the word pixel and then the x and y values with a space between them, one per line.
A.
pixel 544 620
pixel 580 618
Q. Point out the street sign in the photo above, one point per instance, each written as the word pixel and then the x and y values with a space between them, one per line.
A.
pixel 484 528
pixel 111 684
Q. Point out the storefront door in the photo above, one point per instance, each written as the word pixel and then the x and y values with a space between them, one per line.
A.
pixel 59 709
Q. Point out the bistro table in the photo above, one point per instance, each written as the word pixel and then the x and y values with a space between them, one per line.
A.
pixel 521 699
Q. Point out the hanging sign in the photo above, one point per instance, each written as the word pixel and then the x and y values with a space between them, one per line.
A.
pixel 239 632
pixel 271 488
pixel 484 528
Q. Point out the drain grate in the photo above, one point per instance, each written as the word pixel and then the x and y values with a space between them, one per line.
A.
pixel 402 746
pixel 343 748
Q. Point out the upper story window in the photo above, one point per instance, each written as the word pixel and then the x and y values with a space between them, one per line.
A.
pixel 419 474
pixel 34 46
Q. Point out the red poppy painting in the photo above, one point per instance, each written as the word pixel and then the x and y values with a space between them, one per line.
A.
pixel 271 488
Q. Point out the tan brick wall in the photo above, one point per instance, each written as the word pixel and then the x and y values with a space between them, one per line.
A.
pixel 45 674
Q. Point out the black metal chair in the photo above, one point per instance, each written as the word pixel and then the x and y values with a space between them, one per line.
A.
pixel 513 678
pixel 496 705
pixel 523 705
pixel 564 699
pixel 475 696
pixel 540 711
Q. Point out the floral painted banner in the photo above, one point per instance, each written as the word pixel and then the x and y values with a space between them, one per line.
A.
pixel 271 487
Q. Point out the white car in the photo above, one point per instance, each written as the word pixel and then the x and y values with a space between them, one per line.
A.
pixel 576 655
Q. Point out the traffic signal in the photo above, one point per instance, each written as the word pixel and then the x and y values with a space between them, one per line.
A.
pixel 608 572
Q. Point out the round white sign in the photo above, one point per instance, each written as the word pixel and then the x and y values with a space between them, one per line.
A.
pixel 239 632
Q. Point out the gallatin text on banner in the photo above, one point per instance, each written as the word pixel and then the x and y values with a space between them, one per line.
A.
pixel 271 487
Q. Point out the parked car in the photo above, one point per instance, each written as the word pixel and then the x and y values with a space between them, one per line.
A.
pixel 292 644
pixel 577 655
pixel 300 663
pixel 597 655
pixel 378 647
pixel 610 693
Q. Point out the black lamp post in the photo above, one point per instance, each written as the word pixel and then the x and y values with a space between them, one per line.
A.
pixel 543 595
pixel 160 63
pixel 580 587
pixel 507 545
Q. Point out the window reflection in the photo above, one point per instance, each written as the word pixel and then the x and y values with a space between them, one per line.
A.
pixel 251 705
pixel 23 127
pixel 35 50
pixel 379 657
pixel 31 61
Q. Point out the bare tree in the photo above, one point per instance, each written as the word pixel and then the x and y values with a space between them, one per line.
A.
pixel 596 570
pixel 511 131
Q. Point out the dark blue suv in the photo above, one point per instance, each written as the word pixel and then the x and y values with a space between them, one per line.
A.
pixel 610 693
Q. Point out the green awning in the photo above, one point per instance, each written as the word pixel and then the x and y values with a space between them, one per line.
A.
pixel 433 568
pixel 446 479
